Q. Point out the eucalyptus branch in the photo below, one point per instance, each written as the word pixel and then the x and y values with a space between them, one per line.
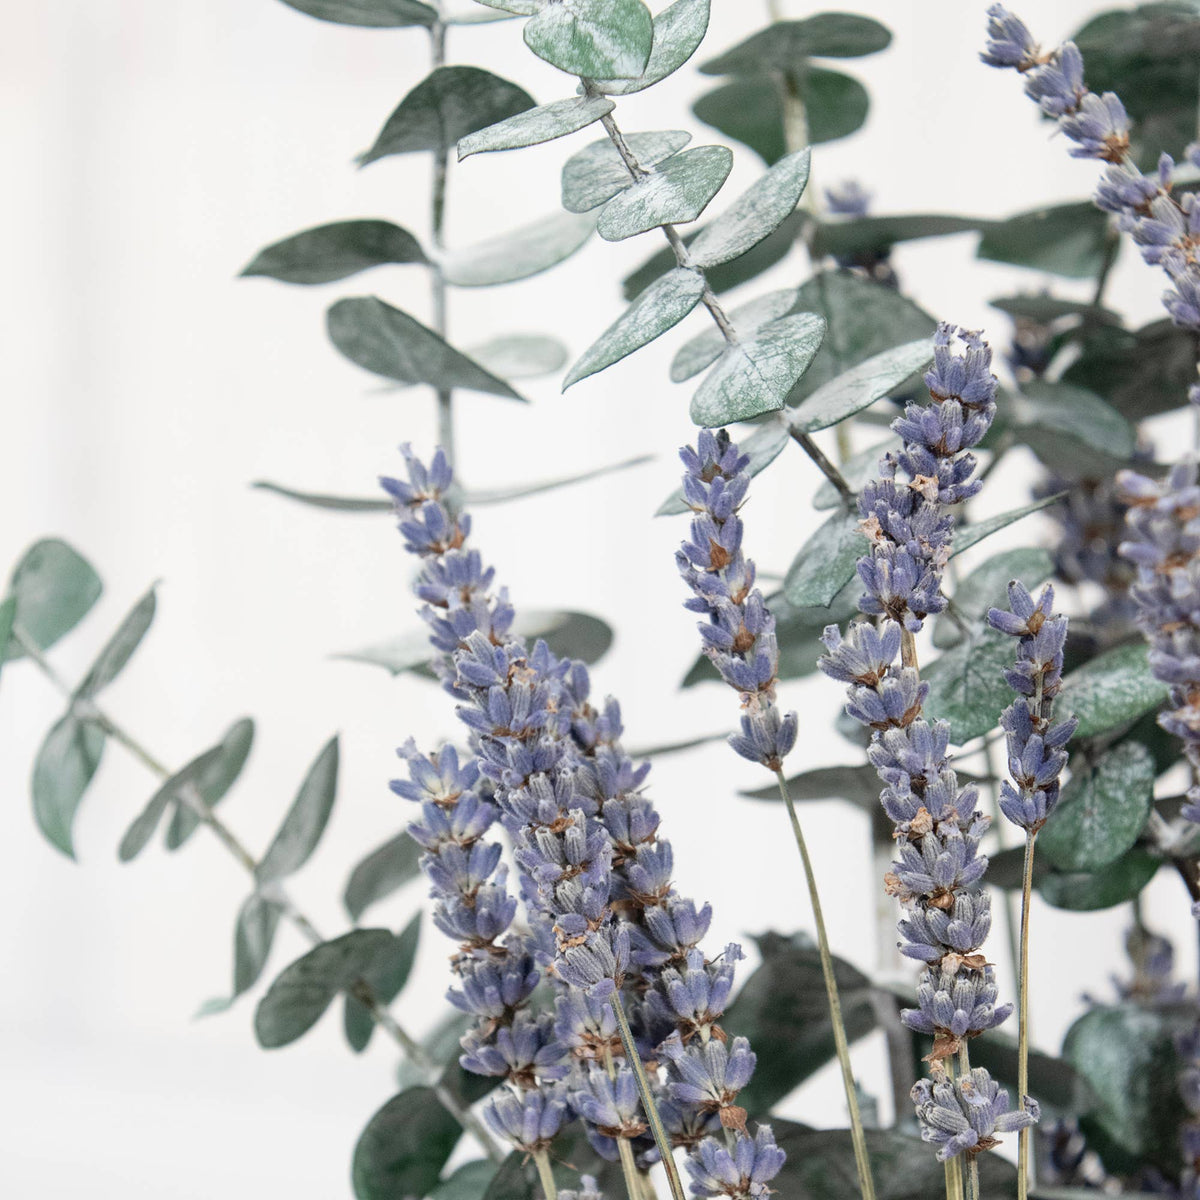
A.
pixel 190 796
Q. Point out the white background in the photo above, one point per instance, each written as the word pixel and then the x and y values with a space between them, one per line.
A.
pixel 149 149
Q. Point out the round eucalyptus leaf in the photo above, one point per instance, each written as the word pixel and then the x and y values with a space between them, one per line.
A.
pixel 598 39
pixel 826 562
pixel 1089 891
pixel 335 251
pixel 379 14
pixel 404 1147
pixel 783 44
pixel 597 172
pixel 536 125
pixel 1111 690
pixel 674 195
pixel 678 31
pixel 705 348
pixel 967 687
pixel 64 767
pixel 520 253
pixel 54 587
pixel 386 979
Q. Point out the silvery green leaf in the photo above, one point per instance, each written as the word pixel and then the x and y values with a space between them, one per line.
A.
pixel 470 1182
pixel 301 993
pixel 658 751
pixel 756 213
pixel 1089 891
pixel 388 342
pixel 321 500
pixel 335 251
pixel 705 348
pixel 385 869
pixel 987 585
pixel 597 172
pixel 763 447
pixel 861 386
pixel 378 14
pixel 850 236
pixel 404 1147
pixel 1111 690
pixel 784 44
pixel 520 355
pixel 1102 810
pixel 754 376
pixel 1058 413
pixel 673 195
pixel 119 648
pixel 969 535
pixel 515 8
pixel 1064 239
pixel 54 588
pixel 253 936
pixel 306 819
pixel 857 471
pixel 967 687
pixel 537 125
pixel 386 978
pixel 598 39
pixel 213 774
pixel 678 31
pixel 64 767
pixel 443 108
pixel 8 613
pixel 825 562
pixel 660 307
pixel 521 253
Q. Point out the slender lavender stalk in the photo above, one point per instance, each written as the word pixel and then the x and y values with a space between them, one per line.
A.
pixel 1036 757
pixel 739 639
pixel 938 875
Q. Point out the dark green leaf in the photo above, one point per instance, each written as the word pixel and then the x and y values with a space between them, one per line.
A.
pixel 599 39
pixel 677 192
pixel 762 447
pixel 537 125
pixel 1102 811
pixel 335 251
pixel 385 869
pixel 64 767
pixel 835 104
pixel 755 214
pixel 967 685
pixel 379 14
pixel 299 996
pixel 213 774
pixel 1064 239
pixel 858 470
pixel 783 44
pixel 597 172
pixel 705 348
pixel 825 562
pixel 306 819
pixel 55 588
pixel 388 342
pixel 8 613
pixel 971 535
pixel 859 786
pixel 468 1182
pixel 386 978
pixel 678 31
pixel 987 587
pixel 521 253
pixel 253 935
pixel 660 307
pixel 1088 891
pixel 783 1009
pixel 444 107
pixel 147 821
pixel 119 648
pixel 754 376
pixel 870 236
pixel 1071 427
pixel 404 1147
pixel 1111 690
pixel 1044 309
pixel 861 386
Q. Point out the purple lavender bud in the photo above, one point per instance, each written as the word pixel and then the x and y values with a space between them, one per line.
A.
pixel 522 1052
pixel 494 988
pixel 710 1074
pixel 955 1005
pixel 1009 44
pixel 767 736
pixel 962 1116
pixel 741 1173
pixel 933 934
pixel 611 1105
pixel 1100 126
pixel 669 932
pixel 529 1120
pixel 693 996
pixel 1057 87
pixel 848 199
pixel 586 1025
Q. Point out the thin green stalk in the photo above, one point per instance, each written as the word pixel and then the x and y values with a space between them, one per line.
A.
pixel 954 1183
pixel 1023 1138
pixel 191 796
pixel 858 1136
pixel 972 1181
pixel 545 1174
pixel 1010 913
pixel 661 1140
pixel 437 221
pixel 629 1168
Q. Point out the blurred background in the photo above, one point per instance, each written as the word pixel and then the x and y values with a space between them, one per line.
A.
pixel 149 151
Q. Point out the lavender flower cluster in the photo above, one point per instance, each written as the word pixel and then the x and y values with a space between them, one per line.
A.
pixel 595 874
pixel 937 876
pixel 1165 229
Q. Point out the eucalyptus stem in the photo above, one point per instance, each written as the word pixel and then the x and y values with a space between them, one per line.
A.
pixel 437 221
pixel 661 1140
pixel 546 1174
pixel 190 796
pixel 1023 1137
pixel 857 1135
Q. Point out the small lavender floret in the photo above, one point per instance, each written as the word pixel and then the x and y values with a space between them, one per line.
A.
pixel 962 1116
pixel 611 1105
pixel 740 1173
pixel 1010 44
pixel 954 1005
pixel 710 1074
pixel 529 1120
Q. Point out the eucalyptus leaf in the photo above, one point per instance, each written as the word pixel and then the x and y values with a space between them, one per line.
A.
pixel 782 44
pixel 383 871
pixel 858 785
pixel 483 496
pixel 1102 811
pixel 520 355
pixel 705 348
pixel 762 447
pixel 660 307
pixel 678 31
pixel 138 835
pixel 336 251
pixel 388 342
pixel 1089 891
pixel 597 172
pixel 516 8
pixel 967 687
pixel 54 588
pixel 825 562
pixel 1064 239
pixel 1111 690
pixel 1064 411
pixel 664 748
pixel 64 767
pixel 213 774
pixel 8 614
pixel 674 194
pixel 599 39
pixel 404 1147
pixel 253 935
pixel 866 236
pixel 519 254
pixel 378 14
pixel 1044 309
pixel 971 535
pixel 354 504
pixel 754 376
pixel 468 1182
pixel 119 648
pixel 299 996
pixel 444 108
pixel 305 822
pixel 537 125
pixel 858 470
pixel 386 979
pixel 860 387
